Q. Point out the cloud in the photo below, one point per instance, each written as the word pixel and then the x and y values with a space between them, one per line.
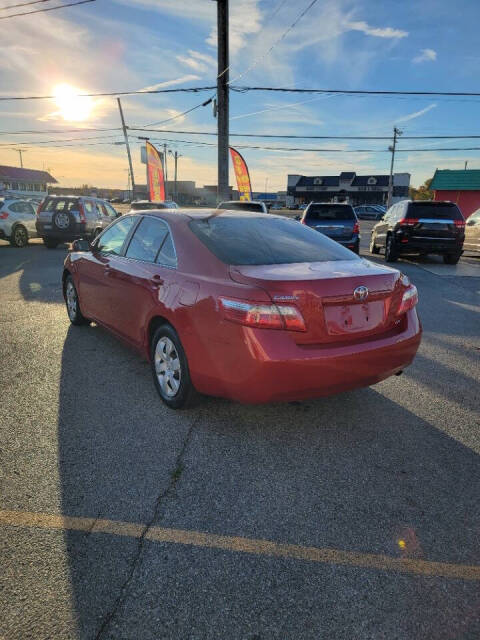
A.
pixel 377 32
pixel 201 62
pixel 425 55
pixel 245 19
pixel 169 83
pixel 416 114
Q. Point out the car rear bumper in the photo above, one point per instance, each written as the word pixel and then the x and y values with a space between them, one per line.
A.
pixel 272 367
pixel 48 230
pixel 429 246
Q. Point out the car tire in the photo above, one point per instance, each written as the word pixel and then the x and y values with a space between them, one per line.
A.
pixel 175 388
pixel 72 303
pixel 451 258
pixel 373 247
pixel 19 237
pixel 390 251
pixel 50 243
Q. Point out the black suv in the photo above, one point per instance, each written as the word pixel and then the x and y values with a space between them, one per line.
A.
pixel 420 227
pixel 65 218
pixel 337 221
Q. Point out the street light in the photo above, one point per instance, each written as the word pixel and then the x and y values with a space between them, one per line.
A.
pixel 176 156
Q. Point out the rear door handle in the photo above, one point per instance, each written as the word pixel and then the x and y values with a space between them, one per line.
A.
pixel 156 279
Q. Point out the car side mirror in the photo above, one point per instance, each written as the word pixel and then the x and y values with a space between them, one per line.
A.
pixel 81 245
pixel 470 223
pixel 298 217
pixel 118 214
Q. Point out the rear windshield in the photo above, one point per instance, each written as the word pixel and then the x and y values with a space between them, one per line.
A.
pixel 242 206
pixel 330 212
pixel 439 210
pixel 261 240
pixel 146 206
pixel 59 204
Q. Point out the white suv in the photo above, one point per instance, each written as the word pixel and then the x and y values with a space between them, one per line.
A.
pixel 17 221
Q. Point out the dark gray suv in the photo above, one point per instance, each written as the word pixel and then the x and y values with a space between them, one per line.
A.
pixel 337 221
pixel 66 218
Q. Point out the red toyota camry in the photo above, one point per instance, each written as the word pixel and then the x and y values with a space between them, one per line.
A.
pixel 247 306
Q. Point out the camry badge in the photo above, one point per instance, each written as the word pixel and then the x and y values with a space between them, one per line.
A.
pixel 360 293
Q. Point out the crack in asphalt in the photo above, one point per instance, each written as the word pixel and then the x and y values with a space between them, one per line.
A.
pixel 174 478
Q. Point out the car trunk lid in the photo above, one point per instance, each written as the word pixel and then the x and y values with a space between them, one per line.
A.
pixel 324 292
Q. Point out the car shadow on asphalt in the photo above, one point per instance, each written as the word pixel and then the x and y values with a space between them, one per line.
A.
pixel 39 270
pixel 353 471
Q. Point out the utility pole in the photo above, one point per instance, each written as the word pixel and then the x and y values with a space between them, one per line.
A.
pixel 222 99
pixel 176 156
pixel 20 151
pixel 466 164
pixel 396 133
pixel 128 147
pixel 165 177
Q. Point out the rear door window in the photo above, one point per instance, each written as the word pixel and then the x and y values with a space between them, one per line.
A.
pixel 167 255
pixel 147 240
pixel 434 211
pixel 330 212
pixel 262 240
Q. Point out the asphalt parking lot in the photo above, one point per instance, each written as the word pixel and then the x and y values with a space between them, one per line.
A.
pixel 354 516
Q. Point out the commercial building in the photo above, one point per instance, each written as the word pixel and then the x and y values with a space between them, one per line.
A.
pixel 16 181
pixel 346 187
pixel 459 186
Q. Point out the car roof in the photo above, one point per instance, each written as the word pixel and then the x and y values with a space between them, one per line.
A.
pixel 185 215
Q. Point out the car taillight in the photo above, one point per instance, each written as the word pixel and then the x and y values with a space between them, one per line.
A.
pixel 408 222
pixel 3 215
pixel 40 208
pixel 409 300
pixel 81 212
pixel 263 316
pixel 356 228
pixel 303 221
pixel 460 224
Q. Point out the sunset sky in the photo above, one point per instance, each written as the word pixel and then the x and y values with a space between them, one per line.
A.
pixel 122 45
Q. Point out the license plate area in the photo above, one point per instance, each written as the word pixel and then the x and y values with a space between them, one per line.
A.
pixel 354 318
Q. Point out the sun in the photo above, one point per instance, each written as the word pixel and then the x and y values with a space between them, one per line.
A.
pixel 71 106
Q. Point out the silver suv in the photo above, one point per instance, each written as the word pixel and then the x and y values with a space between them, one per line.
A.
pixel 66 218
pixel 17 221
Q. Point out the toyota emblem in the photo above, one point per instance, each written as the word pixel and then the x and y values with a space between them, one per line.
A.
pixel 360 293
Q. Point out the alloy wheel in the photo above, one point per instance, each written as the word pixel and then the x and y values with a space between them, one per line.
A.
pixel 167 367
pixel 71 296
pixel 20 237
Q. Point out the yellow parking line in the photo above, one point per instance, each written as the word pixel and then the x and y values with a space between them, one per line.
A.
pixel 242 545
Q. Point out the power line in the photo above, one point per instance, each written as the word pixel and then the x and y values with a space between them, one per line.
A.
pixel 282 37
pixel 112 93
pixel 179 115
pixel 23 4
pixel 358 91
pixel 305 137
pixel 62 6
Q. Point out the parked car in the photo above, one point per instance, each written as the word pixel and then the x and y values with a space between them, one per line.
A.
pixel 64 218
pixel 276 207
pixel 244 205
pixel 419 228
pixel 115 200
pixel 294 207
pixel 144 205
pixel 302 207
pixel 254 308
pixel 17 221
pixel 337 221
pixel 369 212
pixel 472 232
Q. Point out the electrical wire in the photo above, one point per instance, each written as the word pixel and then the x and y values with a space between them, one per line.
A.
pixel 23 4
pixel 180 115
pixel 62 6
pixel 357 92
pixel 113 93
